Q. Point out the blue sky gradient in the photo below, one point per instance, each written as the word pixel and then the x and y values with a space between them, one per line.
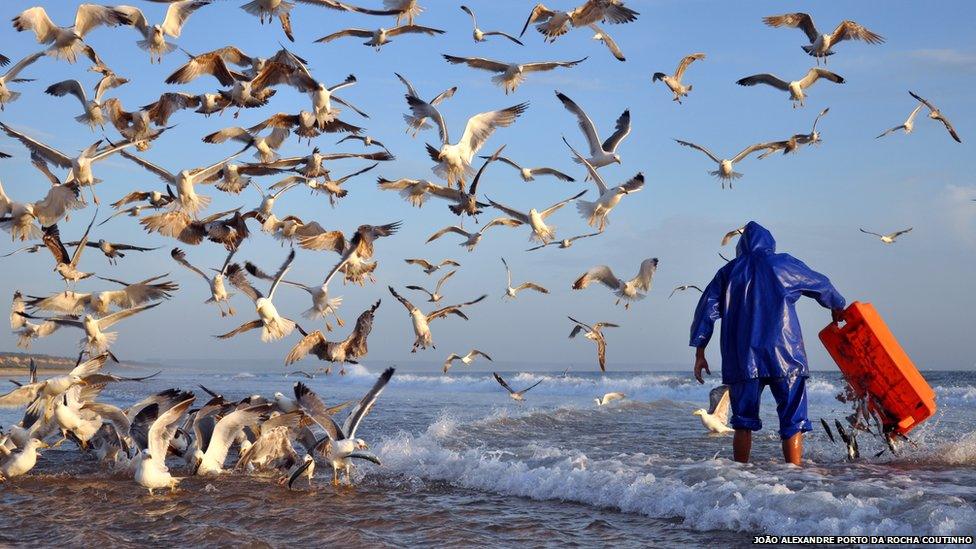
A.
pixel 813 201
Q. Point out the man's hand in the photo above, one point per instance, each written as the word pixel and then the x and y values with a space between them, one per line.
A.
pixel 837 315
pixel 701 364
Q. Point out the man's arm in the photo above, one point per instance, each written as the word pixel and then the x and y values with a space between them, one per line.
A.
pixel 701 363
pixel 807 282
pixel 708 311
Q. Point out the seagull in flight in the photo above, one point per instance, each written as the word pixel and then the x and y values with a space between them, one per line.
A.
pixel 6 95
pixel 430 268
pixel 890 237
pixel 154 36
pixel 518 396
pixel 601 153
pixel 381 36
pixel 595 334
pixel 528 174
pixel 512 292
pixel 821 44
pixel 536 219
pixel 936 114
pixel 218 291
pixel 421 321
pixel 564 243
pixel 726 166
pixel 480 35
pixel 348 350
pixel 472 239
pixel 716 418
pixel 625 290
pixel 796 87
pixel 67 42
pixel 684 287
pixel 595 213
pixel 435 296
pixel 908 125
pixel 510 75
pixel 414 123
pixel 673 82
pixel 273 325
pixel 466 359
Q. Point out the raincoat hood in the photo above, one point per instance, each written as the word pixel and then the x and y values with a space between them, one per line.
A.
pixel 755 239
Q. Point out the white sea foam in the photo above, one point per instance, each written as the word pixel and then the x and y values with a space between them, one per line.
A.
pixel 704 495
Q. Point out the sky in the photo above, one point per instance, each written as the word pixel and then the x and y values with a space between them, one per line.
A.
pixel 813 202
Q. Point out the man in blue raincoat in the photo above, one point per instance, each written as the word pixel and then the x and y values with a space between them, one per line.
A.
pixel 754 295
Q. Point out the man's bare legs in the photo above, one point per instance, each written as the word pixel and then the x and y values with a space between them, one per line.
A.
pixel 793 449
pixel 742 447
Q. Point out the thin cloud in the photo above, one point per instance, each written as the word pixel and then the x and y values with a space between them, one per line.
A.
pixel 946 58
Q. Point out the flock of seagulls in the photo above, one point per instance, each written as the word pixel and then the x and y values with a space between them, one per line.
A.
pixel 146 438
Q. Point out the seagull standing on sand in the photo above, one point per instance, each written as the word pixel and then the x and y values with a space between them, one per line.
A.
pixel 594 333
pixel 890 237
pixel 626 290
pixel 795 87
pixel 605 153
pixel 466 359
pixel 517 396
pixel 716 418
pixel 673 82
pixel 821 44
pixel 512 292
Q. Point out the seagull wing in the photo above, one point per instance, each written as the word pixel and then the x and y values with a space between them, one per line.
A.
pixel 700 148
pixel 318 411
pixel 413 29
pixel 163 174
pixel 478 63
pixel 798 20
pixel 552 209
pixel 519 216
pixel 594 175
pixel 451 229
pixel 870 233
pixel 163 429
pixel 850 30
pixel 480 127
pixel 502 382
pixel 718 403
pixel 359 411
pixel 444 279
pixel 246 327
pixel 645 274
pixel 817 73
pixel 229 426
pixel 621 130
pixel 764 78
pixel 608 41
pixel 69 87
pixel 90 16
pixel 406 303
pixel 423 109
pixel 107 321
pixel 177 14
pixel 180 257
pixel 550 65
pixel 47 152
pixel 585 124
pixel 600 273
pixel 239 280
pixel 685 61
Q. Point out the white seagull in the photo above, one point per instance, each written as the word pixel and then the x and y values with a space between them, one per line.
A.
pixel 184 181
pixel 528 174
pixel 434 296
pixel 151 472
pixel 726 166
pixel 605 153
pixel 466 359
pixel 796 87
pixel 480 35
pixel 6 94
pixel 626 290
pixel 535 219
pixel 564 243
pixel 382 36
pixel 273 325
pixel 430 268
pixel 608 398
pixel 218 291
pixel 936 114
pixel 453 161
pixel 511 75
pixel 472 239
pixel 890 237
pixel 415 123
pixel 595 334
pixel 595 213
pixel 421 321
pixel 518 396
pixel 68 42
pixel 716 418
pixel 908 125
pixel 512 292
pixel 154 36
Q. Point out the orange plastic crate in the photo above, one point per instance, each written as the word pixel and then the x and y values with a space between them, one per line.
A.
pixel 874 363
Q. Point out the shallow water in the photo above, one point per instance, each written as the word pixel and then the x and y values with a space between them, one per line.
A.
pixel 463 464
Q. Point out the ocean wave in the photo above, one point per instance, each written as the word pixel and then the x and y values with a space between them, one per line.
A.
pixel 704 495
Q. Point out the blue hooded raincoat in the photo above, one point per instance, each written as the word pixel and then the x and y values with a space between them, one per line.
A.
pixel 755 296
